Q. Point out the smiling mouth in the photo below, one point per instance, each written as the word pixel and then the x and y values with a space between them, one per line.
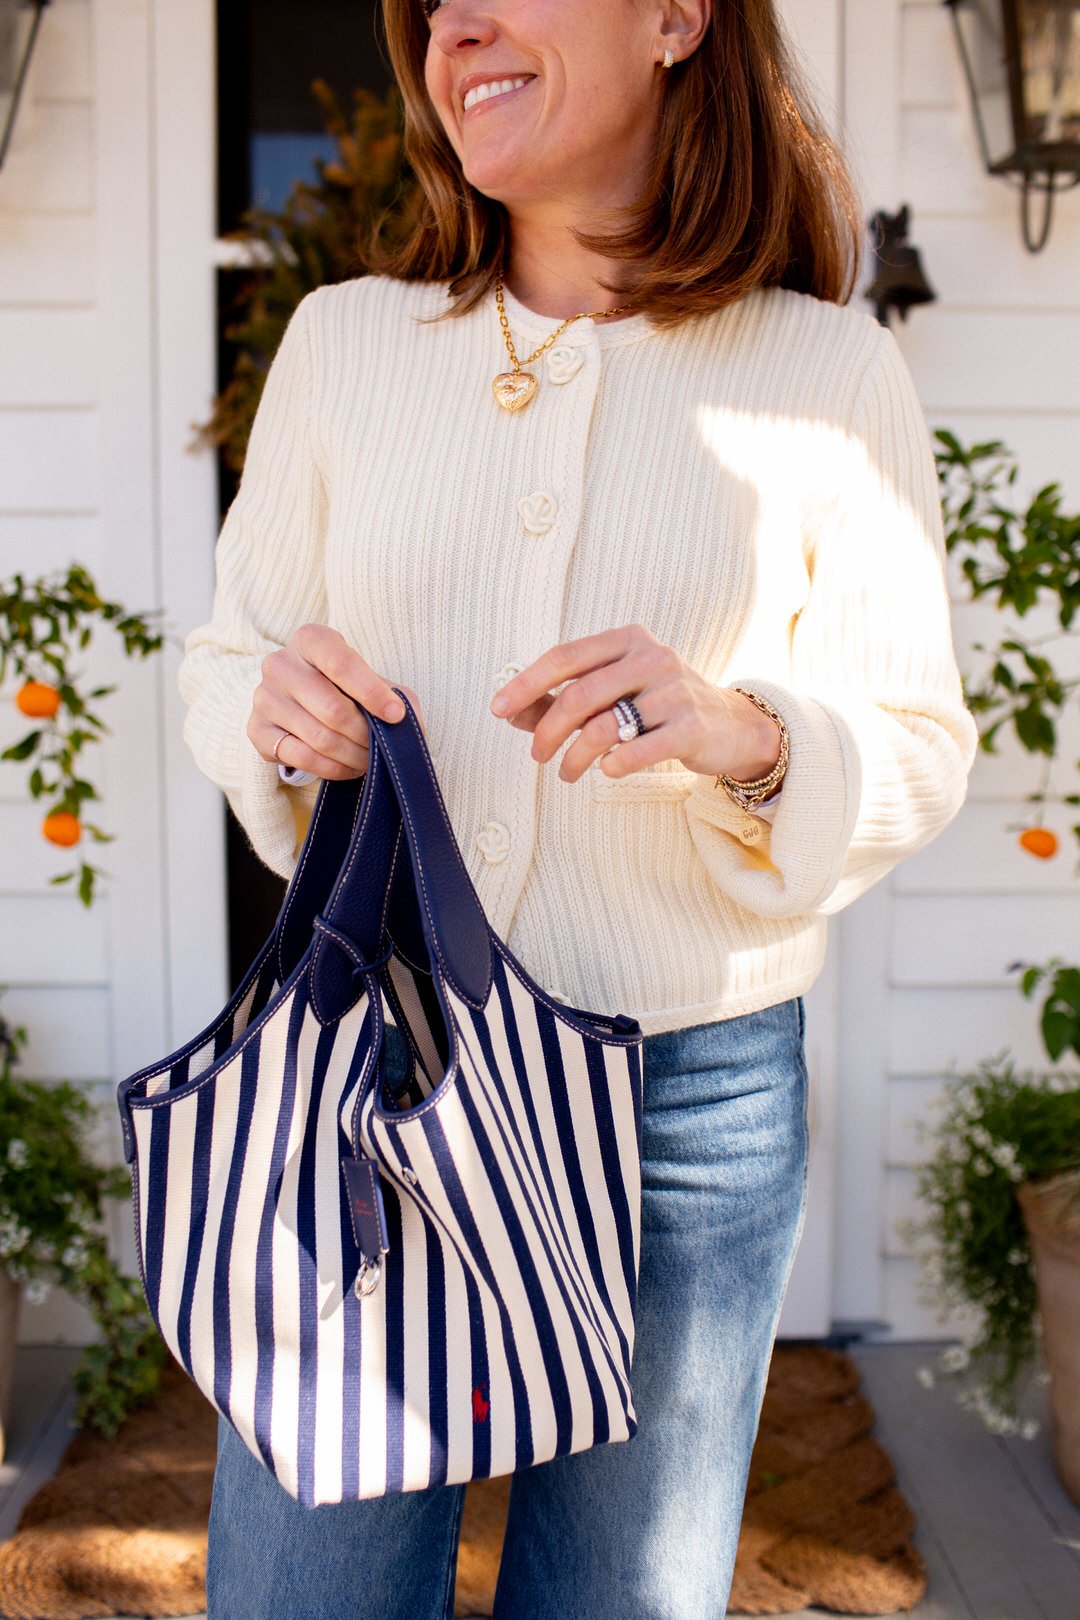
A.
pixel 496 87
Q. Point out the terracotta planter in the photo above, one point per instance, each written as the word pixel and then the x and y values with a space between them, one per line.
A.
pixel 1051 1212
pixel 10 1294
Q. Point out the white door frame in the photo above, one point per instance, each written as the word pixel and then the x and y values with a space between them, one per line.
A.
pixel 815 28
pixel 155 186
pixel 185 284
pixel 851 52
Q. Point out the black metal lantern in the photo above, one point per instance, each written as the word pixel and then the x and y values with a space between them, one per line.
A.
pixel 19 23
pixel 1021 59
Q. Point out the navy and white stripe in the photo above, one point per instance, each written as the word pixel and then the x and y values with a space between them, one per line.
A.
pixel 501 1332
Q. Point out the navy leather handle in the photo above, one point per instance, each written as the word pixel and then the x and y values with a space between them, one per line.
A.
pixel 403 874
pixel 329 838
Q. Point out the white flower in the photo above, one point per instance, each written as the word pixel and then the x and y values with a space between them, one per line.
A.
pixel 1016 1257
pixel 963 1209
pixel 981 1138
pixel 926 1377
pixel 37 1291
pixel 13 1237
pixel 18 1153
pixel 74 1255
pixel 955 1359
pixel 982 1167
pixel 1030 1429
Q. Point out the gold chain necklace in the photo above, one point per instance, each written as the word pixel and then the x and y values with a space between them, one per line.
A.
pixel 514 389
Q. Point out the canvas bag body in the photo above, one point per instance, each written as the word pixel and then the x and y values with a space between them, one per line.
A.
pixel 272 1167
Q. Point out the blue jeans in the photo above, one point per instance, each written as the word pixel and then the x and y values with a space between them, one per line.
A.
pixel 640 1531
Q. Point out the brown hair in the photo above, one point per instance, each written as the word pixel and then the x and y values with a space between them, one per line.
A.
pixel 747 190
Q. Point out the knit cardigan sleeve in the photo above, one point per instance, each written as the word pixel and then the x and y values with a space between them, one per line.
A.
pixel 881 743
pixel 269 582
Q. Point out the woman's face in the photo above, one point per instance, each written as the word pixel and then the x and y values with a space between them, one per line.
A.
pixel 547 100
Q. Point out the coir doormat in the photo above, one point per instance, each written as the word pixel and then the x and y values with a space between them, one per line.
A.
pixel 121 1529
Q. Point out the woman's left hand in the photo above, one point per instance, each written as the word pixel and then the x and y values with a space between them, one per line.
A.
pixel 709 729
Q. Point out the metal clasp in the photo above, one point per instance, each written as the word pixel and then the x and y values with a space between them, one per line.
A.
pixel 368 1277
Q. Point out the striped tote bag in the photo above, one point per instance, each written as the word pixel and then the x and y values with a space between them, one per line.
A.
pixel 384 1283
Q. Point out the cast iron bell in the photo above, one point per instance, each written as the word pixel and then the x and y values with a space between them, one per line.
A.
pixel 899 281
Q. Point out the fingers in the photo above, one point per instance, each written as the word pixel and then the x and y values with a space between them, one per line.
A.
pixel 304 705
pixel 586 705
pixel 327 651
pixel 309 745
pixel 569 661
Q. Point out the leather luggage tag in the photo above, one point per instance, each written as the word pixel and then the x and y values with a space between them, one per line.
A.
pixel 366 1207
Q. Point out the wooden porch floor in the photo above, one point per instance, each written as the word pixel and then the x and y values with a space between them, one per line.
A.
pixel 1000 1537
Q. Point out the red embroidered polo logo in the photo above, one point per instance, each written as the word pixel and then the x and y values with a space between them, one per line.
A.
pixel 480 1406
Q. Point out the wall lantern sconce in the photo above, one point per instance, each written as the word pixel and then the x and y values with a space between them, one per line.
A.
pixel 19 23
pixel 1021 60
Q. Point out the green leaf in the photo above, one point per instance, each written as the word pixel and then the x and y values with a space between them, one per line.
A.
pixel 23 748
pixel 1031 978
pixel 1035 729
pixel 1058 1031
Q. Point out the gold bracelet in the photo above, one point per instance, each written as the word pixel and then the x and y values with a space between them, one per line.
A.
pixel 748 794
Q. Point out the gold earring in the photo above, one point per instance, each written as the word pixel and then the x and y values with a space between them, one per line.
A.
pixel 669 60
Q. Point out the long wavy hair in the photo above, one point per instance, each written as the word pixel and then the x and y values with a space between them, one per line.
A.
pixel 746 188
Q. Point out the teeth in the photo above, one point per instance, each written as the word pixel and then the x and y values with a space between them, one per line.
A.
pixel 494 87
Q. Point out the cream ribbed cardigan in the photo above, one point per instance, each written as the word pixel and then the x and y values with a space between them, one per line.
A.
pixel 756 487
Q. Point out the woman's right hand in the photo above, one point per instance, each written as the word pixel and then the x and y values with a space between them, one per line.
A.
pixel 303 705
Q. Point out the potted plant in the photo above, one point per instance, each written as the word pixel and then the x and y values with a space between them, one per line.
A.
pixel 1000 1238
pixel 53 1196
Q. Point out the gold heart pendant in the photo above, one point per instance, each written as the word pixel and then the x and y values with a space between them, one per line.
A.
pixel 514 389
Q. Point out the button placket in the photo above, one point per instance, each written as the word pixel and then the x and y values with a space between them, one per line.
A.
pixel 538 511
pixel 493 842
pixel 564 362
pixel 507 673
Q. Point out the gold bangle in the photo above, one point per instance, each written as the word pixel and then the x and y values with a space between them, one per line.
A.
pixel 748 794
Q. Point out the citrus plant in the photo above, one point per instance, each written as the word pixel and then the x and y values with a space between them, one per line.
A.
pixel 44 624
pixel 52 1203
pixel 1020 559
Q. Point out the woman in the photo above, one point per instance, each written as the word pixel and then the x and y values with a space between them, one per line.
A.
pixel 697 559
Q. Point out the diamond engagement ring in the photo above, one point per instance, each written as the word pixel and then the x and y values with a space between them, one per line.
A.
pixel 631 724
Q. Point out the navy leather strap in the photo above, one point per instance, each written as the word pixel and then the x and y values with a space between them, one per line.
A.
pixel 402 842
pixel 330 833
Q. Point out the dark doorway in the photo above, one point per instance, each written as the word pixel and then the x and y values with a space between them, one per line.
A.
pixel 270 133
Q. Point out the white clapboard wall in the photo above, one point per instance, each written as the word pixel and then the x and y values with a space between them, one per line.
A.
pixel 95 305
pixel 107 358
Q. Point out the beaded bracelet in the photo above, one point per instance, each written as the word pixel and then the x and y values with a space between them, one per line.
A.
pixel 748 794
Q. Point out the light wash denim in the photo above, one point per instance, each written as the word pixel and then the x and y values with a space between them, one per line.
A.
pixel 640 1531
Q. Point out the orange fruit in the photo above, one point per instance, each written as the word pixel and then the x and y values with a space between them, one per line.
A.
pixel 61 827
pixel 1039 841
pixel 38 700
